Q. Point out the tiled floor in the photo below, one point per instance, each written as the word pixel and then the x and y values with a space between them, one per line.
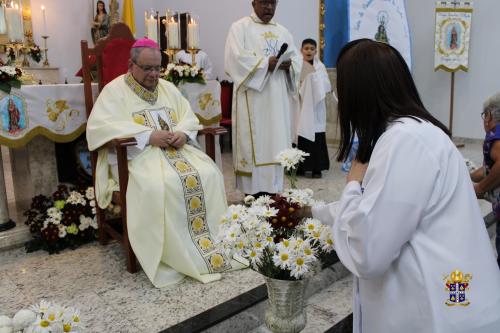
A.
pixel 93 278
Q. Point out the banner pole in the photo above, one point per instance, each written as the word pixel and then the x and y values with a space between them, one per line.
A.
pixel 452 98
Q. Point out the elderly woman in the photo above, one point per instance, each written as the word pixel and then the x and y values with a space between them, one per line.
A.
pixel 487 177
pixel 408 225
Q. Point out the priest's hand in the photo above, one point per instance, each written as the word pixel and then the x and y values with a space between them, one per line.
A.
pixel 178 139
pixel 357 172
pixel 285 65
pixel 160 139
pixel 273 61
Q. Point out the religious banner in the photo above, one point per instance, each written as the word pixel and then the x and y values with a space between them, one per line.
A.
pixel 381 20
pixel 204 100
pixel 452 38
pixel 54 111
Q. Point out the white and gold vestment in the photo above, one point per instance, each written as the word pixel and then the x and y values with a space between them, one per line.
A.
pixel 263 102
pixel 175 198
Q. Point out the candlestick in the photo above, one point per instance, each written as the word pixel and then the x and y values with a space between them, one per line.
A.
pixel 25 51
pixel 46 62
pixel 193 52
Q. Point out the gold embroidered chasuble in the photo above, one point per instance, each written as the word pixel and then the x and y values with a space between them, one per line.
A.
pixel 264 102
pixel 175 198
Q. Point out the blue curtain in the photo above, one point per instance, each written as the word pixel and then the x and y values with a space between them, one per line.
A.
pixel 336 32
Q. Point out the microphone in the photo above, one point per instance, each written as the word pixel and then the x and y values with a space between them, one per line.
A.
pixel 282 50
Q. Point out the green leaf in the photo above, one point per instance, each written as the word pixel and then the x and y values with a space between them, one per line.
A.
pixel 5 87
pixel 15 83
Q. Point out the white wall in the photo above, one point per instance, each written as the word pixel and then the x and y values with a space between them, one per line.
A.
pixel 216 16
pixel 471 88
pixel 68 22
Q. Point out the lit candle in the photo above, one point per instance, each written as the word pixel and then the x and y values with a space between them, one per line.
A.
pixel 151 28
pixel 173 34
pixel 193 34
pixel 44 21
pixel 14 25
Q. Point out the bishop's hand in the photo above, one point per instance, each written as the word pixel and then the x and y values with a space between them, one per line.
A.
pixel 160 138
pixel 178 139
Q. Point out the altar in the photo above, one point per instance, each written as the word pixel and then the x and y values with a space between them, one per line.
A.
pixel 40 123
pixel 205 103
pixel 32 119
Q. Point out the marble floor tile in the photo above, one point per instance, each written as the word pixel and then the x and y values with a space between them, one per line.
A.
pixel 93 278
pixel 12 298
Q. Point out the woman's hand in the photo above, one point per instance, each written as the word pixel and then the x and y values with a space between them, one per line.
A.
pixel 357 172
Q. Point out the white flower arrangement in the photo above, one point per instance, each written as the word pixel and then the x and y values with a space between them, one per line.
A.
pixel 45 317
pixel 276 242
pixel 9 70
pixel 178 73
pixel 10 78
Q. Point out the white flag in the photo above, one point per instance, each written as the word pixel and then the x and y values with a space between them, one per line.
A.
pixel 381 20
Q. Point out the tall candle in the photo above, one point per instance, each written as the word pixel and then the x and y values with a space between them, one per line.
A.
pixel 14 25
pixel 44 21
pixel 193 35
pixel 151 28
pixel 3 24
pixel 173 34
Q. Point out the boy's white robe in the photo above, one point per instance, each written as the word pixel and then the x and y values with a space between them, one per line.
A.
pixel 313 91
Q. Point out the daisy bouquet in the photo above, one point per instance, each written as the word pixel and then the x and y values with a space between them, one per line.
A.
pixel 270 234
pixel 45 317
pixel 182 73
pixel 65 219
pixel 290 159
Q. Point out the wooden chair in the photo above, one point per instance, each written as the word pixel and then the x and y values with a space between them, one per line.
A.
pixel 110 57
pixel 226 101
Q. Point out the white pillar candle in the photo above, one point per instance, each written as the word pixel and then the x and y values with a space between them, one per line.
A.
pixel 193 35
pixel 3 24
pixel 44 21
pixel 14 26
pixel 173 34
pixel 151 28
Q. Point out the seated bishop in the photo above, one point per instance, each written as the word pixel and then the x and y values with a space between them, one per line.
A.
pixel 175 194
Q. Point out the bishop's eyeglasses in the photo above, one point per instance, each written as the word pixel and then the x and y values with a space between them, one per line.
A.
pixel 148 68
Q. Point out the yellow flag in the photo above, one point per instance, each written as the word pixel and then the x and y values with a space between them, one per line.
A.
pixel 128 14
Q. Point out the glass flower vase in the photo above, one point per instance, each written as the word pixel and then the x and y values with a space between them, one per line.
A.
pixel 285 312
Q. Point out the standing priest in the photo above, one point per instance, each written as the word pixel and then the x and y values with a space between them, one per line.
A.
pixel 262 61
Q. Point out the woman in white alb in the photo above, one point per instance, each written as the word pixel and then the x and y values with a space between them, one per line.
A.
pixel 408 225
